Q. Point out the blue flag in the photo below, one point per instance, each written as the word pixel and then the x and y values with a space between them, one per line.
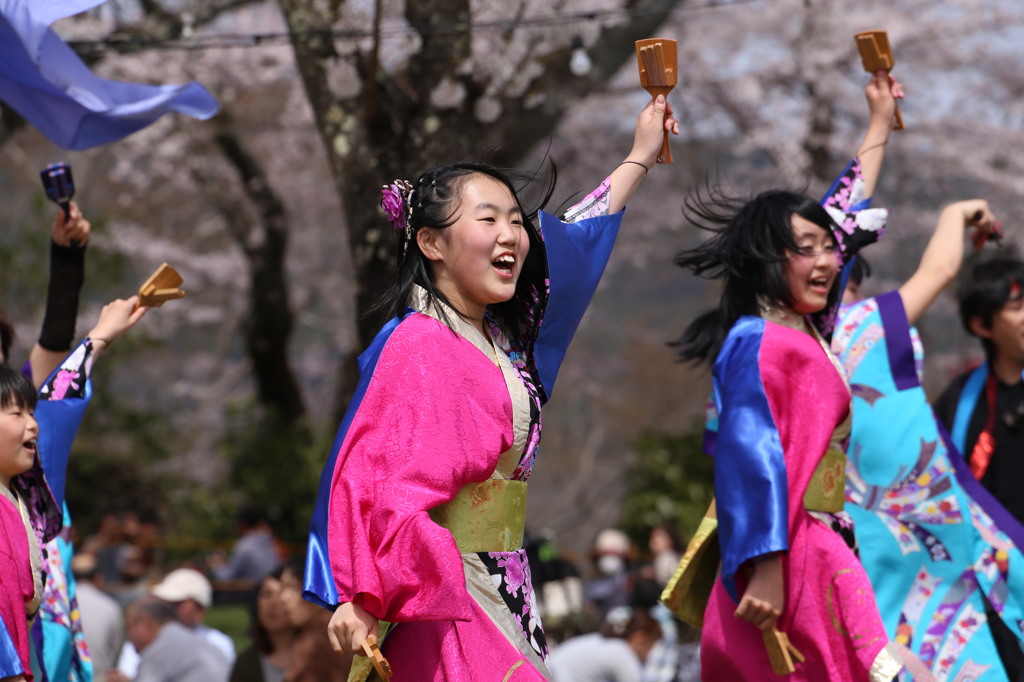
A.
pixel 43 79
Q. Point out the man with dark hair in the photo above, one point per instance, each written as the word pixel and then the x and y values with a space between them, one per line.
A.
pixel 983 410
pixel 170 652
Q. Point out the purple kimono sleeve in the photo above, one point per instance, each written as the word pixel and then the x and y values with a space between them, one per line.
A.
pixel 434 416
pixel 577 255
pixel 751 486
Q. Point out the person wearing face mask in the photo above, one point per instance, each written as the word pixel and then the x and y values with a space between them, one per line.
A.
pixel 421 510
pixel 609 587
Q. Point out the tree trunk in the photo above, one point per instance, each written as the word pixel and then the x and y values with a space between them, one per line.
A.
pixel 391 129
pixel 269 322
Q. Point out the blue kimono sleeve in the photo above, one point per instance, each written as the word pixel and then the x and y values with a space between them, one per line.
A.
pixel 58 424
pixel 577 255
pixel 61 406
pixel 750 468
pixel 10 662
pixel 318 582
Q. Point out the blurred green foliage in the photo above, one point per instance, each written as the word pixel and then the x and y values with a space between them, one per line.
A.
pixel 116 462
pixel 233 620
pixel 271 466
pixel 670 480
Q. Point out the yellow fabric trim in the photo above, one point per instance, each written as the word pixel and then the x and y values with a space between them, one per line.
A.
pixel 511 670
pixel 689 589
pixel 486 517
pixel 825 489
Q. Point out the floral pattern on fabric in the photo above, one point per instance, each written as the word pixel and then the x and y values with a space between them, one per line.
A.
pixel 993 565
pixel 519 362
pixel 919 498
pixel 58 606
pixel 951 627
pixel 510 570
pixel 859 226
pixel 902 484
pixel 44 516
pixel 68 381
pixel 957 620
pixel 594 204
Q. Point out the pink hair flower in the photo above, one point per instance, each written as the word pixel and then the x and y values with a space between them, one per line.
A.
pixel 394 199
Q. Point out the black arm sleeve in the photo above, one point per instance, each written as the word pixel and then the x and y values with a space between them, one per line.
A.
pixel 67 272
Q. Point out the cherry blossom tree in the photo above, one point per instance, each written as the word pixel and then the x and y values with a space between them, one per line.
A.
pixel 269 210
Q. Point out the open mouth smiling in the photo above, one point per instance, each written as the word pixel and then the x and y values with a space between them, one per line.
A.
pixel 504 263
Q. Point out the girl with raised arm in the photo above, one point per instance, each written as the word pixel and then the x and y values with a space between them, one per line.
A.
pixel 788 557
pixel 417 533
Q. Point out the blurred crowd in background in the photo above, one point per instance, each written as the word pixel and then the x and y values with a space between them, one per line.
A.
pixel 601 612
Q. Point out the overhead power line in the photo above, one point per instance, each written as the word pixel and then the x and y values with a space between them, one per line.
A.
pixel 123 45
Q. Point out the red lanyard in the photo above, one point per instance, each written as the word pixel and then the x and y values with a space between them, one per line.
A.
pixel 981 455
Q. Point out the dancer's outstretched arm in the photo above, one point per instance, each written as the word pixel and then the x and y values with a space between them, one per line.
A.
pixel 881 92
pixel 70 234
pixel 944 254
pixel 653 120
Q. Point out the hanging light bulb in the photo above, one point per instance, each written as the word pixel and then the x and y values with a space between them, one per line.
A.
pixel 579 62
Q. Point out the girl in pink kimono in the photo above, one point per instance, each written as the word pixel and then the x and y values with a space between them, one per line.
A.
pixel 21 586
pixel 781 419
pixel 418 527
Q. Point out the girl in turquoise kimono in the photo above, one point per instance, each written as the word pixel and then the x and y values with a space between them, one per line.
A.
pixel 934 543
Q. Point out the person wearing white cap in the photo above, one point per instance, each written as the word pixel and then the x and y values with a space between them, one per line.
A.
pixel 171 652
pixel 190 593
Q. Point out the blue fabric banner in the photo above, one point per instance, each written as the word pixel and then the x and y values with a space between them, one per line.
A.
pixel 43 79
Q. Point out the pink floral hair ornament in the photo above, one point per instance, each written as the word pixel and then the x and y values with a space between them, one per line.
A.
pixel 396 200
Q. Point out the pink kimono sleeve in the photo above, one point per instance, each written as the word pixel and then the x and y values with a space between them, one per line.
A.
pixel 15 587
pixel 435 416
